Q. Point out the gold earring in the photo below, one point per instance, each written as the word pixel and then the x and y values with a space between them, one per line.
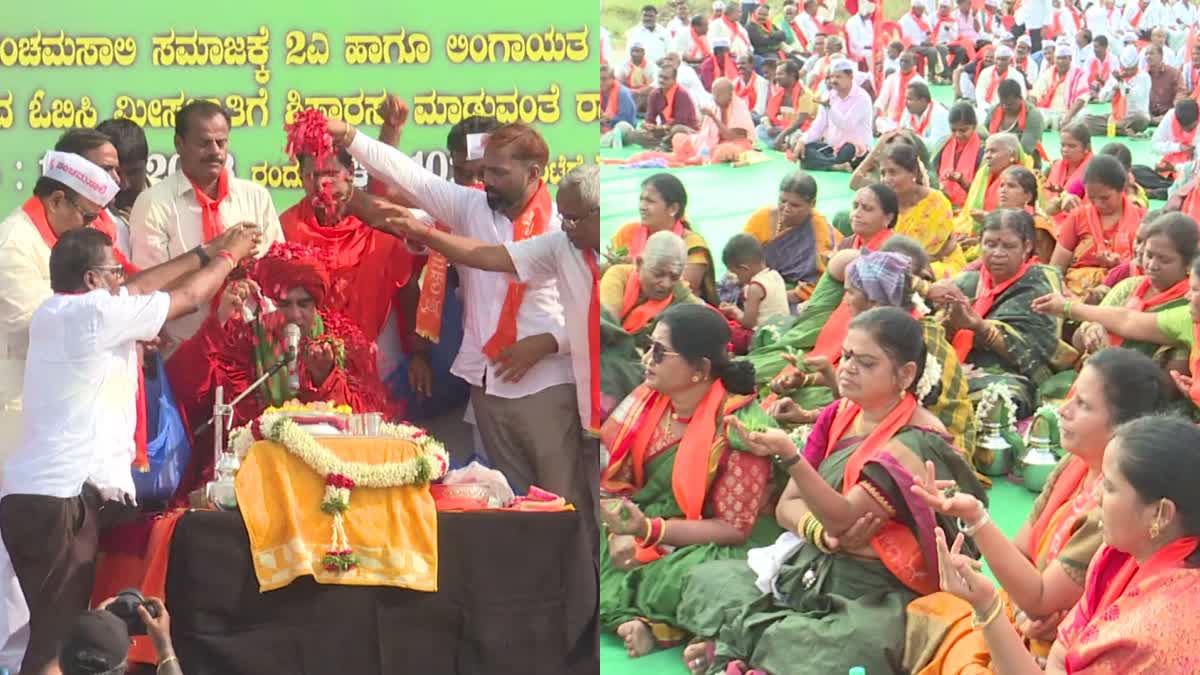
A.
pixel 1156 526
pixel 695 378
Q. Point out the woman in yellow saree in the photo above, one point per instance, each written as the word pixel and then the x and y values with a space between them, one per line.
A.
pixel 678 490
pixel 1138 605
pixel 662 207
pixel 1042 570
pixel 925 214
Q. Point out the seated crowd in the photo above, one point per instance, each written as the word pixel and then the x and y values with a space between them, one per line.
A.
pixel 414 297
pixel 797 453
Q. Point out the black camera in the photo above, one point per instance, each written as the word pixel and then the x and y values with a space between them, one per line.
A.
pixel 125 607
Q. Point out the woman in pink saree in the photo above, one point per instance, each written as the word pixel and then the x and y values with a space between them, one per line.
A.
pixel 1142 594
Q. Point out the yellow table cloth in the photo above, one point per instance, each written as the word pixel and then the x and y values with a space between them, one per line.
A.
pixel 393 531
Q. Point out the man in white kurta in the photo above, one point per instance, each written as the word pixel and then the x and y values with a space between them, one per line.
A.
pixel 889 105
pixel 654 38
pixel 168 220
pixel 724 25
pixel 992 76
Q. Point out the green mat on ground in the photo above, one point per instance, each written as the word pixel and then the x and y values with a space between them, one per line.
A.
pixel 721 197
pixel 1010 506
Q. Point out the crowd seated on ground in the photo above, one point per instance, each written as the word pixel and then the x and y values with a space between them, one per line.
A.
pixel 979 275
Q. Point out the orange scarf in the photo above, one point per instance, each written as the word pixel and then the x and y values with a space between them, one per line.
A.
pixel 747 90
pixel 735 31
pixel 594 342
pixel 1119 105
pixel 766 25
pixel 1056 81
pixel 1122 236
pixel 668 111
pixel 700 49
pixel 921 23
pixel 532 222
pixel 775 104
pixel 690 473
pixel 922 124
pixel 1194 364
pixel 997 78
pixel 1060 178
pixel 210 212
pixel 1183 138
pixel 1069 499
pixel 726 68
pixel 635 316
pixel 961 158
pixel 1137 18
pixel 612 106
pixel 642 233
pixel 1098 71
pixel 998 119
pixel 36 211
pixel 432 300
pixel 895 544
pixel 897 110
pixel 985 297
pixel 640 71
pixel 800 36
pixel 1138 302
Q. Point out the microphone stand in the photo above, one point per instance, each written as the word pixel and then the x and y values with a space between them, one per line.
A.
pixel 220 490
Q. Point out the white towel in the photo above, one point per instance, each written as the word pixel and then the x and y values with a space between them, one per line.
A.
pixel 767 561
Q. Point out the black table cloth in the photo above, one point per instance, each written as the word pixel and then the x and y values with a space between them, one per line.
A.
pixel 517 596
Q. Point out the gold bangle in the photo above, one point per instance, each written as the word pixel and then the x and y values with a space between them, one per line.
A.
pixel 991 615
pixel 662 531
pixel 165 662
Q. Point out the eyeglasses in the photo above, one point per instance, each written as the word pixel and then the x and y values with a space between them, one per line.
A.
pixel 658 352
pixel 117 270
pixel 573 221
pixel 87 216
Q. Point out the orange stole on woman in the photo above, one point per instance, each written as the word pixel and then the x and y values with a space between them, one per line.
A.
pixel 1093 241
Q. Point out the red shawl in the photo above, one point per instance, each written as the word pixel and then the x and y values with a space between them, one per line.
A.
pixel 1138 301
pixel 962 158
pixel 985 298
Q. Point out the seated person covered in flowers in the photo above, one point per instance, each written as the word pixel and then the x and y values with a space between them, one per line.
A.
pixel 236 345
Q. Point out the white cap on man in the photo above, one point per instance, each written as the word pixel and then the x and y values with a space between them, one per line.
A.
pixel 720 42
pixel 842 65
pixel 1129 56
pixel 718 6
pixel 76 172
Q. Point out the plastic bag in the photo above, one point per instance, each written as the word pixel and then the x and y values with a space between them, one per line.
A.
pixel 168 447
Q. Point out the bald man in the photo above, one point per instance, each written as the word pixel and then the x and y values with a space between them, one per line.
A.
pixel 726 127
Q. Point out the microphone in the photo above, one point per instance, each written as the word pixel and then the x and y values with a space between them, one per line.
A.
pixel 291 340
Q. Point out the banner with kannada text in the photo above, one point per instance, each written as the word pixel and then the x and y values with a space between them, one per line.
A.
pixel 73 64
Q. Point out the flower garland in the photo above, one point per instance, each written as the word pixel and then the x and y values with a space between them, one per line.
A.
pixel 930 377
pixel 994 392
pixel 342 477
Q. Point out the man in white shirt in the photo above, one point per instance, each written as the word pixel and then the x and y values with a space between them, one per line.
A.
pixel 692 42
pixel 1175 138
pixel 1061 91
pixel 752 88
pixel 1158 36
pixel 1023 61
pixel 681 22
pixel 991 21
pixel 925 117
pixel 688 78
pixel 568 256
pixel 1100 64
pixel 1129 91
pixel 71 474
pixel 1144 16
pixel 889 106
pixel 638 74
pixel 196 203
pixel 653 37
pixel 860 31
pixel 919 32
pixel 1105 18
pixel 992 76
pixel 1184 16
pixel 515 350
pixel 724 24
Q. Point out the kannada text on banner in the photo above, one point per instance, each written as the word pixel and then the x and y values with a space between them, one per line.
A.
pixel 66 65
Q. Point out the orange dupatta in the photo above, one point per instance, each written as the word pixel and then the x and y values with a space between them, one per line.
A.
pixel 1068 499
pixel 690 474
pixel 775 104
pixel 642 233
pixel 668 112
pixel 833 334
pixel 800 36
pixel 897 110
pixel 997 78
pixel 962 159
pixel 635 316
pixel 210 209
pixel 1059 177
pixel 700 43
pixel 1099 75
pixel 746 90
pixel 1123 235
pixel 432 299
pixel 895 544
pixel 532 222
pixel 1183 138
pixel 1138 302
pixel 985 297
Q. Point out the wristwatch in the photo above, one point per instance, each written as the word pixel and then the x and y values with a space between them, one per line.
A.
pixel 202 255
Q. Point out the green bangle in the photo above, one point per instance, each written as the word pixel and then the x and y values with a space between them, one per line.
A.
pixel 1067 310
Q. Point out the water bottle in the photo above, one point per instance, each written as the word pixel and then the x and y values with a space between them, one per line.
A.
pixel 704 155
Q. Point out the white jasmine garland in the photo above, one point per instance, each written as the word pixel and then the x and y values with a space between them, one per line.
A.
pixel 993 393
pixel 929 378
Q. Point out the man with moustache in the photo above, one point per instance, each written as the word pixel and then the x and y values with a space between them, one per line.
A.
pixel 198 202
pixel 133 152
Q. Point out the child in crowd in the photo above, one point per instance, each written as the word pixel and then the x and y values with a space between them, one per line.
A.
pixel 764 294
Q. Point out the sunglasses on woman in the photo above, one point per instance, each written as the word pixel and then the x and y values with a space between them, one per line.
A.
pixel 658 352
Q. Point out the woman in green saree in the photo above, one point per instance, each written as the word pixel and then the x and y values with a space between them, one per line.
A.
pixel 678 491
pixel 835 598
pixel 995 332
pixel 1169 245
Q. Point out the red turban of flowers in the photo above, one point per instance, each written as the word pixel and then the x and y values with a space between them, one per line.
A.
pixel 290 265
